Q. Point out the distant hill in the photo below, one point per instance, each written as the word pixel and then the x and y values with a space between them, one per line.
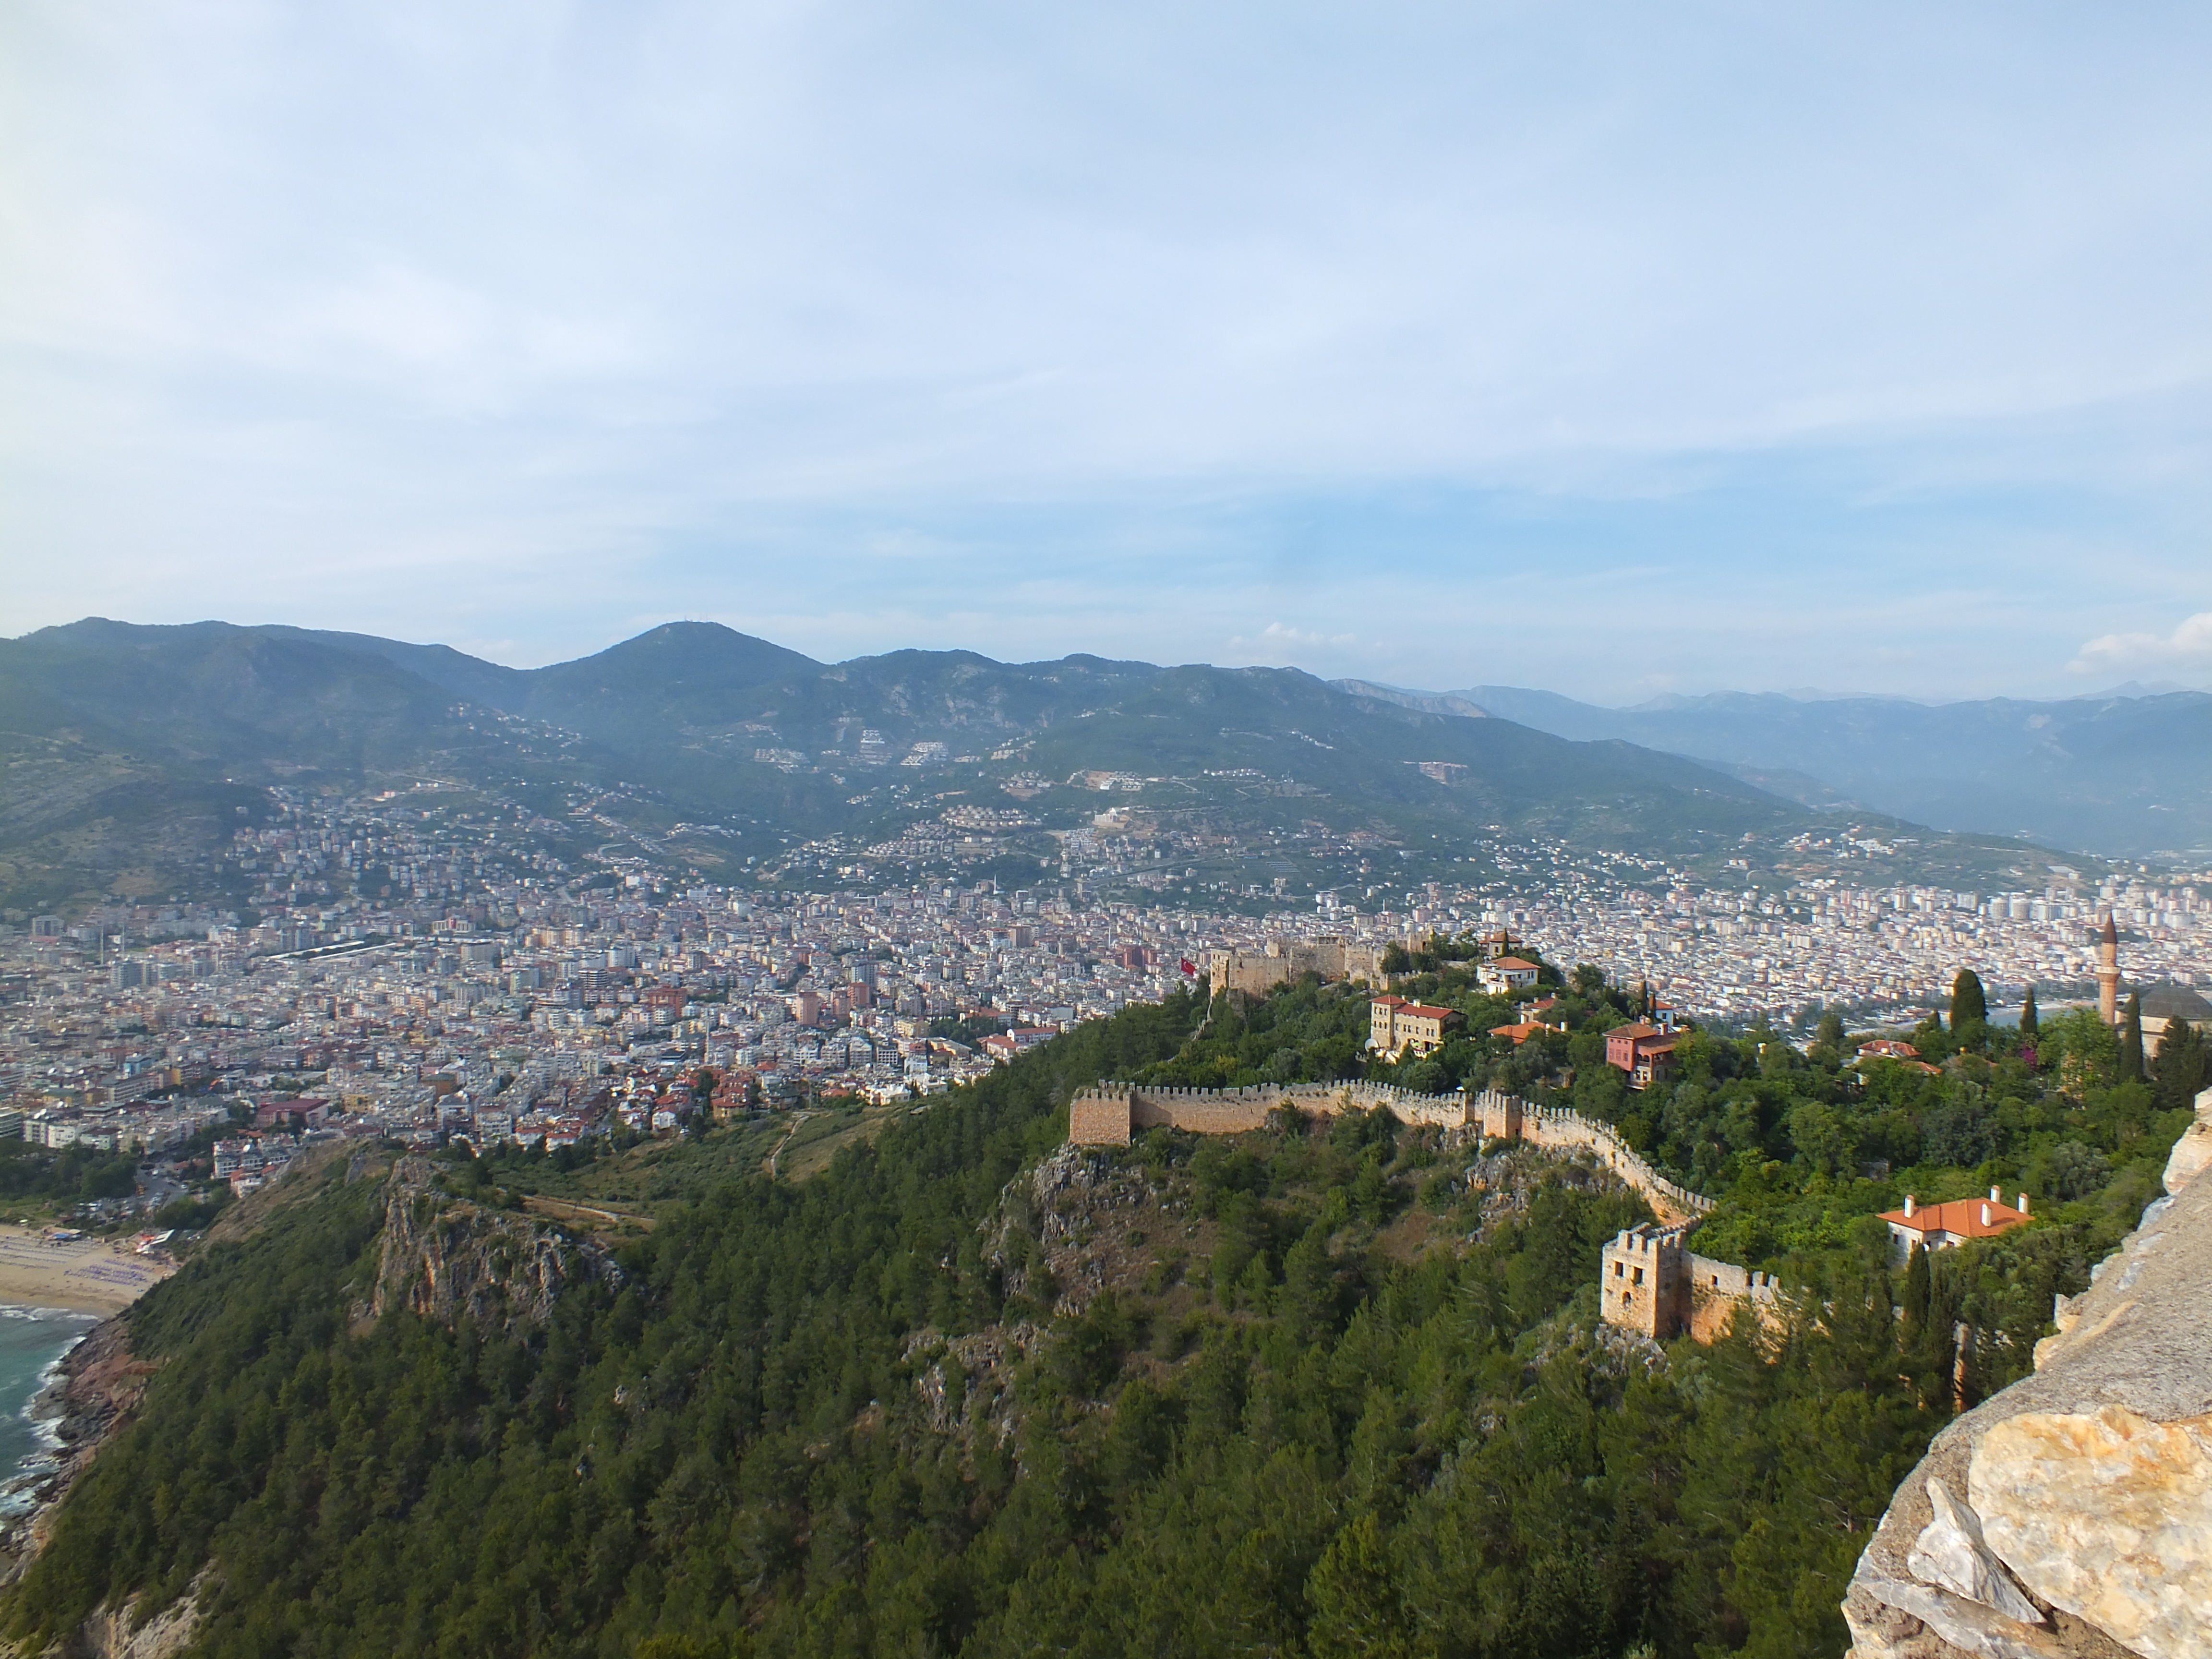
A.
pixel 2118 774
pixel 132 749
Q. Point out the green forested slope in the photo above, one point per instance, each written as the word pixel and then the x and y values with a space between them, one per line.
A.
pixel 1348 1407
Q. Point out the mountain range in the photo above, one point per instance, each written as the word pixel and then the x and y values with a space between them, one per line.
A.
pixel 133 751
pixel 2127 773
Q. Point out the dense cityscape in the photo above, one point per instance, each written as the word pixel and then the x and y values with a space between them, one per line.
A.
pixel 425 972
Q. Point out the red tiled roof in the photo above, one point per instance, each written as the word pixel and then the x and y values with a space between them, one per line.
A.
pixel 1961 1217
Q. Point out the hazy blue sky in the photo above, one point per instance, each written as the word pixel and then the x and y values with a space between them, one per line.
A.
pixel 1612 348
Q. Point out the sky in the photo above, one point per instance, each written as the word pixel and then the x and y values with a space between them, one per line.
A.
pixel 1615 350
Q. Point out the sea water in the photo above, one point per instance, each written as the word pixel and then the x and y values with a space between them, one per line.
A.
pixel 32 1343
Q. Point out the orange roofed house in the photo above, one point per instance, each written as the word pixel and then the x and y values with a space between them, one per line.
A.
pixel 1503 974
pixel 1946 1226
pixel 1396 1026
pixel 1644 1052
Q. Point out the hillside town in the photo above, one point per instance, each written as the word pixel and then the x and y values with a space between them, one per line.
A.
pixel 456 980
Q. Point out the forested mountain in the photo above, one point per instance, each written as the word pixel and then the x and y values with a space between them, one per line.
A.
pixel 130 748
pixel 2118 774
pixel 1331 1388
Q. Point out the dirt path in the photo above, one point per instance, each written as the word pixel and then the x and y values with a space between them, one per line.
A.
pixel 563 1209
pixel 797 1119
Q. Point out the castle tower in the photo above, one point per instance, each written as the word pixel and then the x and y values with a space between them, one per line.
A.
pixel 1642 1283
pixel 2108 972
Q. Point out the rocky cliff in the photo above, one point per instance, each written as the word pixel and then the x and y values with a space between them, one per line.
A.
pixel 2071 1513
pixel 445 1257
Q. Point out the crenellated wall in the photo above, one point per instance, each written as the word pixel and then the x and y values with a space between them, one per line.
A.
pixel 1109 1114
pixel 1563 1127
pixel 1717 1289
pixel 1647 1282
pixel 1661 1289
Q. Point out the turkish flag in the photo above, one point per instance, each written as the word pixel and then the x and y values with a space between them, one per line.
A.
pixel 1189 966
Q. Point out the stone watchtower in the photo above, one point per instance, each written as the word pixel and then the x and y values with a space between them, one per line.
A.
pixel 1644 1281
pixel 2108 972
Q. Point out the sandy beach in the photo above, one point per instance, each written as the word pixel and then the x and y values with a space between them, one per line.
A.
pixel 88 1276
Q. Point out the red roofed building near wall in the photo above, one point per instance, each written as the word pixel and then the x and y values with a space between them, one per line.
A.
pixel 1644 1052
pixel 1946 1226
pixel 1395 1026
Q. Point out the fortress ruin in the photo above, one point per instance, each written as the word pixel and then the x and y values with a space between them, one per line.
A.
pixel 1649 1282
pixel 1109 1114
pixel 1285 961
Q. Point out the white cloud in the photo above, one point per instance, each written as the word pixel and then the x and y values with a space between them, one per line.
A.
pixel 1114 328
pixel 2189 646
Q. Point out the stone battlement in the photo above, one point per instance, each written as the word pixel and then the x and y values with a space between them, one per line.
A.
pixel 1649 1283
pixel 1109 1114
pixel 1286 960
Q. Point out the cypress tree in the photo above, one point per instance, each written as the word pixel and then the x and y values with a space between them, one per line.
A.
pixel 2029 1026
pixel 1967 1002
pixel 2131 1058
pixel 1918 1285
pixel 2182 1066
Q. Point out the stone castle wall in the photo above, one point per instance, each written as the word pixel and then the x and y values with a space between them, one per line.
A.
pixel 1108 1114
pixel 1661 1289
pixel 1257 972
pixel 1717 1289
pixel 1563 1129
pixel 1648 1283
pixel 1098 1118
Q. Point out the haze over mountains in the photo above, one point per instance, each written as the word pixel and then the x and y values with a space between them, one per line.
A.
pixel 2115 774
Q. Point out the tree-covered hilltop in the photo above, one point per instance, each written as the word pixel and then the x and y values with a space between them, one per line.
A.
pixel 1333 1387
pixel 1802 1147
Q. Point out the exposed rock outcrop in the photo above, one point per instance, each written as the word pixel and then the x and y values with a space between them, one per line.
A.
pixel 2070 1515
pixel 445 1257
pixel 116 1634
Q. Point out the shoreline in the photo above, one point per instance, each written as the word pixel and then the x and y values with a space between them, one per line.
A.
pixel 85 1390
pixel 88 1276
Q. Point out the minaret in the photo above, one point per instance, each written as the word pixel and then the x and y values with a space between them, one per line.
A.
pixel 2108 972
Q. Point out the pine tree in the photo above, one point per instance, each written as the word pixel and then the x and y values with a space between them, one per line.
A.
pixel 2131 1055
pixel 1967 1002
pixel 2029 1026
